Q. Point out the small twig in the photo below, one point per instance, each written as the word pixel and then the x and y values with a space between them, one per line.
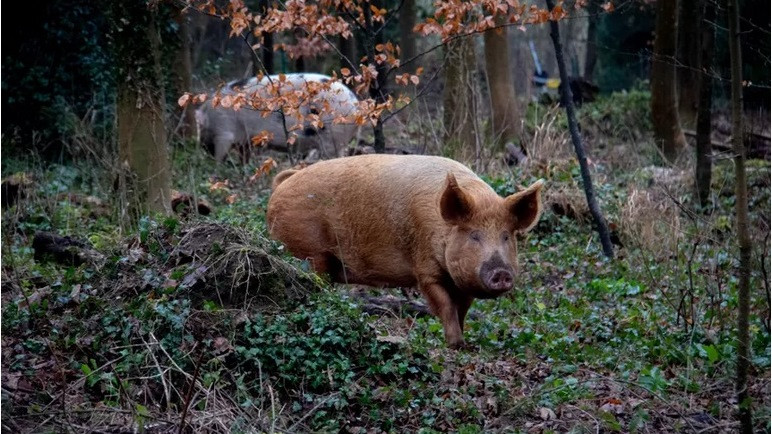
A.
pixel 189 393
pixel 765 279
pixel 310 412
pixel 161 373
pixel 273 408
pixel 423 90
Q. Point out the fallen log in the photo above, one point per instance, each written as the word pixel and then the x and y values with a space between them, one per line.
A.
pixel 757 146
pixel 182 204
pixel 378 305
pixel 63 250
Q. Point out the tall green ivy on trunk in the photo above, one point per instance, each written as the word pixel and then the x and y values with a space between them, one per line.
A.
pixel 504 111
pixel 688 75
pixel 457 98
pixel 704 164
pixel 183 74
pixel 142 144
pixel 664 104
pixel 741 208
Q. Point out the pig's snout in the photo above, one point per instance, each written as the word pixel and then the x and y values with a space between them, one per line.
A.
pixel 500 280
pixel 497 276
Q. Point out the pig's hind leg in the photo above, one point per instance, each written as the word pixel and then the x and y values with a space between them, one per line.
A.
pixel 329 264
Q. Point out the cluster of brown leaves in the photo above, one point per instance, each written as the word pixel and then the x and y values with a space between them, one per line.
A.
pixel 305 46
pixel 459 17
pixel 223 186
pixel 312 22
pixel 312 17
pixel 454 18
pixel 264 169
pixel 189 98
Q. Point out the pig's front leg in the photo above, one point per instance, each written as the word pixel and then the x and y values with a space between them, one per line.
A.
pixel 463 304
pixel 447 310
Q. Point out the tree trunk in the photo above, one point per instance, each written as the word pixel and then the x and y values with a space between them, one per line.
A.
pixel 348 47
pixel 407 40
pixel 664 107
pixel 140 102
pixel 741 208
pixel 267 50
pixel 591 55
pixel 183 69
pixel 704 164
pixel 689 75
pixel 458 103
pixel 573 127
pixel 504 110
pixel 374 37
pixel 267 45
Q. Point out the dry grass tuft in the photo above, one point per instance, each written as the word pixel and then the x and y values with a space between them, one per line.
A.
pixel 567 201
pixel 549 143
pixel 231 263
pixel 651 222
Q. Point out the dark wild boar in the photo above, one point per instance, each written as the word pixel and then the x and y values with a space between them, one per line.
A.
pixel 405 220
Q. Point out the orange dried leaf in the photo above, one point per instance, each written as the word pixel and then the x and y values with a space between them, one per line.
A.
pixel 267 165
pixel 183 101
pixel 219 185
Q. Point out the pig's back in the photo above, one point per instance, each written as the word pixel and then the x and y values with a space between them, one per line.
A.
pixel 372 208
pixel 385 183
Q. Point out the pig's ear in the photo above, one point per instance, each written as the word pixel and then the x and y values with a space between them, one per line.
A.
pixel 525 206
pixel 456 206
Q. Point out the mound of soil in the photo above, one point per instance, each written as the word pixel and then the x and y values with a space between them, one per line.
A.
pixel 233 267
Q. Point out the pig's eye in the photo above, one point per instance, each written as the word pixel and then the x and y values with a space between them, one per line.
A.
pixel 505 237
pixel 476 236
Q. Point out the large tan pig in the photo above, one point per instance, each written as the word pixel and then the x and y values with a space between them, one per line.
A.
pixel 405 220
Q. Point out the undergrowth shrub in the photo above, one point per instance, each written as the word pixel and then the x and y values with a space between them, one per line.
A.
pixel 320 347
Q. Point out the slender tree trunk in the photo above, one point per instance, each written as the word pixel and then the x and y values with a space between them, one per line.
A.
pixel 300 64
pixel 664 107
pixel 267 46
pixel 348 47
pixel 458 98
pixel 378 87
pixel 573 127
pixel 504 110
pixel 407 39
pixel 591 55
pixel 267 50
pixel 184 74
pixel 704 165
pixel 689 75
pixel 741 207
pixel 140 102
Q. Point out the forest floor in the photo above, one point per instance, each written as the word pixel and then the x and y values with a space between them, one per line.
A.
pixel 202 324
